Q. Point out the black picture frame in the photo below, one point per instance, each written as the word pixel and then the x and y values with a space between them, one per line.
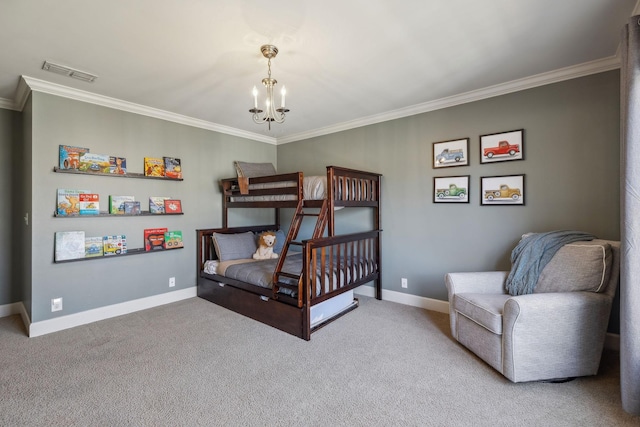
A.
pixel 502 190
pixel 454 152
pixel 502 146
pixel 451 189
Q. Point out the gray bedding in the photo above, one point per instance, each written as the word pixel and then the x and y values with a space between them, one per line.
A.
pixel 260 273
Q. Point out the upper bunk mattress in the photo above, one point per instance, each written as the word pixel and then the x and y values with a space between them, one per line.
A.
pixel 313 187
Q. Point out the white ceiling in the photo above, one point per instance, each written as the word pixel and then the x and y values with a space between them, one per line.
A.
pixel 344 63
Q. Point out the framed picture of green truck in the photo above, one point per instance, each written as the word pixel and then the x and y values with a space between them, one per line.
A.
pixel 451 153
pixel 451 189
pixel 502 190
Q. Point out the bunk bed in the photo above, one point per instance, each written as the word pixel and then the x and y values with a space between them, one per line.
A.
pixel 311 285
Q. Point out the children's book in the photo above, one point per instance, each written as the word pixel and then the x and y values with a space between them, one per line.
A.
pixel 132 208
pixel 172 206
pixel 93 246
pixel 172 168
pixel 97 163
pixel 69 245
pixel 173 240
pixel 89 204
pixel 154 239
pixel 70 156
pixel 118 165
pixel 116 204
pixel 153 166
pixel 156 204
pixel 68 201
pixel 114 245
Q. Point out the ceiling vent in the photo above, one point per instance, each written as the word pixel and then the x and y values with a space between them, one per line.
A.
pixel 69 72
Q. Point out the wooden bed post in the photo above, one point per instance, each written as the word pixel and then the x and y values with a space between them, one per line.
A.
pixel 330 198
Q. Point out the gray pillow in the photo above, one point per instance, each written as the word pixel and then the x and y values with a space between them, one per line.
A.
pixel 252 170
pixel 234 246
pixel 579 266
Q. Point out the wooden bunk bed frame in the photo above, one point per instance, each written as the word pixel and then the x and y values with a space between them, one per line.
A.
pixel 323 274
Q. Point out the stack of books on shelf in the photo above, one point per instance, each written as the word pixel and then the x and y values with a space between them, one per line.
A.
pixel 82 160
pixel 169 167
pixel 75 245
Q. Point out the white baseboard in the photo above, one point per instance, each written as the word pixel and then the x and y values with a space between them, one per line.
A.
pixel 406 299
pixel 612 341
pixel 65 322
pixel 10 309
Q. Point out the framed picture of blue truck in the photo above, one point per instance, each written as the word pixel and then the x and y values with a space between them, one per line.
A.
pixel 451 189
pixel 451 153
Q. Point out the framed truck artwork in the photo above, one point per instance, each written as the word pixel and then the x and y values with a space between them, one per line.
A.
pixel 451 189
pixel 502 147
pixel 502 190
pixel 451 153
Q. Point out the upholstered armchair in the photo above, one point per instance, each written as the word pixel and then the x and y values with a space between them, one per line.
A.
pixel 554 333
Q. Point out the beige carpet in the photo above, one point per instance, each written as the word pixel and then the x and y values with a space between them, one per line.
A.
pixel 193 363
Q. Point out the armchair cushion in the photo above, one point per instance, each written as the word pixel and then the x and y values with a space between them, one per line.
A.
pixel 580 266
pixel 485 309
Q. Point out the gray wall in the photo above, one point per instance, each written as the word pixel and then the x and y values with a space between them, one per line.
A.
pixel 571 166
pixel 9 137
pixel 206 157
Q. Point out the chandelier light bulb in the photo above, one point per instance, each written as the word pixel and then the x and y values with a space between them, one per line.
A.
pixel 283 92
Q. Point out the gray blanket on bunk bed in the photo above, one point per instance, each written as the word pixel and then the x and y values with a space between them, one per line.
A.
pixel 260 273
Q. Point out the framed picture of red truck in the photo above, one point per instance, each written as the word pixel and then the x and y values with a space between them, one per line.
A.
pixel 451 153
pixel 502 190
pixel 502 147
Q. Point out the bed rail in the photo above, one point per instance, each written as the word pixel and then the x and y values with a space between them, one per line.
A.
pixel 333 265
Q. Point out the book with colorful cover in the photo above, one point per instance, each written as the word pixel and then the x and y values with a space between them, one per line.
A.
pixel 118 165
pixel 153 166
pixel 132 208
pixel 91 162
pixel 116 204
pixel 172 168
pixel 89 204
pixel 68 201
pixel 172 206
pixel 173 239
pixel 154 239
pixel 93 246
pixel 156 204
pixel 70 156
pixel 114 245
pixel 69 245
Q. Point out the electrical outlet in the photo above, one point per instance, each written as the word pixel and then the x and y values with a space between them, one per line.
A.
pixel 404 282
pixel 56 304
pixel 172 282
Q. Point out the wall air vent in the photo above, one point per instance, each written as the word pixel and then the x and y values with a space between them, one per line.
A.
pixel 69 72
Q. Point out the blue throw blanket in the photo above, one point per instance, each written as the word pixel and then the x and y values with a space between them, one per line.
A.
pixel 533 253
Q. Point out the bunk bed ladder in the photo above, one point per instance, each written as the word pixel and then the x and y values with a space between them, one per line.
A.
pixel 321 224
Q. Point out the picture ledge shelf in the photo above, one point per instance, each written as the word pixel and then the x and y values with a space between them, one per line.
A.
pixel 136 251
pixel 127 175
pixel 106 214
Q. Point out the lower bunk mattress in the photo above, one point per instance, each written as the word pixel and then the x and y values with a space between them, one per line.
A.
pixel 260 273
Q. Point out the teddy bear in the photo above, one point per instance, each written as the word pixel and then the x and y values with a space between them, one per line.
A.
pixel 265 246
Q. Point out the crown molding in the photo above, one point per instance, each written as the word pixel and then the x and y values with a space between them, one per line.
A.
pixel 568 73
pixel 28 84
pixel 38 85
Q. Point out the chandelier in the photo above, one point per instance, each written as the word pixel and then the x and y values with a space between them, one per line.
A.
pixel 270 113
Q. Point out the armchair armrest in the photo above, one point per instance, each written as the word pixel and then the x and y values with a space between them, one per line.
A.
pixel 564 325
pixel 483 282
